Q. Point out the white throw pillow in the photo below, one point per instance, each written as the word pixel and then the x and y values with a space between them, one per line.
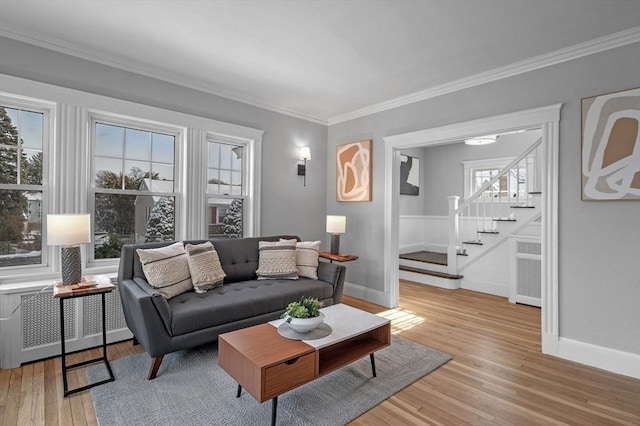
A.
pixel 307 253
pixel 167 269
pixel 277 260
pixel 204 264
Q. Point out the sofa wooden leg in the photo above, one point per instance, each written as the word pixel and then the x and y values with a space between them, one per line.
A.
pixel 155 365
pixel 135 341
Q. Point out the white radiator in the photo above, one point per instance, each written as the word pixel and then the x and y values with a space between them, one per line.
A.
pixel 33 332
pixel 525 270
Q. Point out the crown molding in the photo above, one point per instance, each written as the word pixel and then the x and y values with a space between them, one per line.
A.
pixel 103 58
pixel 601 44
pixel 580 50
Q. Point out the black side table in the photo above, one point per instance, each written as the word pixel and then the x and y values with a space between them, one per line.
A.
pixel 64 292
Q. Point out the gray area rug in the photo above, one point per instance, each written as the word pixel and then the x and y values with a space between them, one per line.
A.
pixel 191 389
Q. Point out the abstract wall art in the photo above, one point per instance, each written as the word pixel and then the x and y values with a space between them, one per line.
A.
pixel 353 171
pixel 611 146
pixel 409 175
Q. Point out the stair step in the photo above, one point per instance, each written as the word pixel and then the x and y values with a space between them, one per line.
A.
pixel 432 273
pixel 503 220
pixel 462 254
pixel 523 207
pixel 488 232
pixel 475 243
pixel 426 257
pixel 535 192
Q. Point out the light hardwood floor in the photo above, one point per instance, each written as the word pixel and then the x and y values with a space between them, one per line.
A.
pixel 497 376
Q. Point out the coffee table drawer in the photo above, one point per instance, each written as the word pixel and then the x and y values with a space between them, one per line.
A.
pixel 289 374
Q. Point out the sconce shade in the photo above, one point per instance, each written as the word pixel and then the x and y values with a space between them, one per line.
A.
pixel 305 153
pixel 336 224
pixel 68 229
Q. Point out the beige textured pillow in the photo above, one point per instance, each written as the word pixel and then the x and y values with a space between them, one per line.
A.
pixel 307 258
pixel 166 269
pixel 277 260
pixel 204 264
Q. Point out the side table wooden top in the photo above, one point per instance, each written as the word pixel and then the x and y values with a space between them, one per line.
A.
pixel 73 290
pixel 342 257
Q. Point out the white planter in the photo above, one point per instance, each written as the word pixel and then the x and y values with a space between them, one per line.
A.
pixel 305 325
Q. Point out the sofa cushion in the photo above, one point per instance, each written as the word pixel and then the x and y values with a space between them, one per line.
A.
pixel 166 269
pixel 237 301
pixel 277 259
pixel 204 265
pixel 307 258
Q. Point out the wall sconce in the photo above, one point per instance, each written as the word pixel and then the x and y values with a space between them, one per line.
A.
pixel 305 154
pixel 336 225
pixel 68 231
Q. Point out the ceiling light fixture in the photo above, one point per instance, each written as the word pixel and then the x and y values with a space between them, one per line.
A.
pixel 481 140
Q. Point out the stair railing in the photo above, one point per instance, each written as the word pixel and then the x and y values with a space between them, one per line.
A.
pixel 465 225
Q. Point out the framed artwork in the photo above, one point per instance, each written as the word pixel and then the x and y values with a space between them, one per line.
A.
pixel 611 146
pixel 409 175
pixel 353 171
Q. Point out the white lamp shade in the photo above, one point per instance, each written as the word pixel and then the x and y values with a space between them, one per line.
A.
pixel 305 153
pixel 336 224
pixel 68 229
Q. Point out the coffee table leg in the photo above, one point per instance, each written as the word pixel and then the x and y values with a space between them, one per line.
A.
pixel 274 410
pixel 373 364
pixel 239 391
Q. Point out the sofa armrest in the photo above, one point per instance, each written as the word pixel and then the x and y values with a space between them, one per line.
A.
pixel 334 274
pixel 143 318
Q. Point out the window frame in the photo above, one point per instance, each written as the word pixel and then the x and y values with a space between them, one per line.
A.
pixel 48 111
pixel 134 123
pixel 250 150
pixel 472 165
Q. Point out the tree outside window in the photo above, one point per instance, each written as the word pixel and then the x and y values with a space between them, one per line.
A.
pixel 21 190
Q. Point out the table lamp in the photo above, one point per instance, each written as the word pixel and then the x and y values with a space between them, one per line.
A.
pixel 336 225
pixel 68 231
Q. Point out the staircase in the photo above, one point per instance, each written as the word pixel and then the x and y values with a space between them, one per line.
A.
pixel 504 205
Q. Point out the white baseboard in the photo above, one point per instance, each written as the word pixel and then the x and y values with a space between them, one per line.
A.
pixel 438 248
pixel 613 360
pixel 370 295
pixel 485 287
pixel 410 248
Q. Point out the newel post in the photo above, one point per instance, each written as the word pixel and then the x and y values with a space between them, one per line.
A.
pixel 452 249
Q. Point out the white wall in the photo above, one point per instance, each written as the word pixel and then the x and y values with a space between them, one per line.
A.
pixel 599 242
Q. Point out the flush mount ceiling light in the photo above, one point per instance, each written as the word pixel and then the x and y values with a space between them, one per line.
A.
pixel 481 140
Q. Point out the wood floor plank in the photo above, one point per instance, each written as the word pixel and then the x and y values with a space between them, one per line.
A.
pixel 498 375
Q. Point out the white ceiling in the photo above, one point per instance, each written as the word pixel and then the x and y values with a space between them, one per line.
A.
pixel 320 60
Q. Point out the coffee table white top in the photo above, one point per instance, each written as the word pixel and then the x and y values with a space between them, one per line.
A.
pixel 345 322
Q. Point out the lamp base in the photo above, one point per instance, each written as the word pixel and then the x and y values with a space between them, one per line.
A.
pixel 335 243
pixel 71 264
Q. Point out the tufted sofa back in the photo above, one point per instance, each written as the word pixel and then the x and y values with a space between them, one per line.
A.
pixel 238 256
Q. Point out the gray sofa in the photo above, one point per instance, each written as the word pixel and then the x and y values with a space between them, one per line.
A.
pixel 163 326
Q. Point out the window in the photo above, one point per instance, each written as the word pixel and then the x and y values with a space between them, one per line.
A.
pixel 23 192
pixel 134 185
pixel 479 172
pixel 226 189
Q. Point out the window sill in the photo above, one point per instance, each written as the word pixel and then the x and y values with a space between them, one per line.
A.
pixel 36 281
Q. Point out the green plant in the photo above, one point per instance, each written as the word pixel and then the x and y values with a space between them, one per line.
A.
pixel 307 307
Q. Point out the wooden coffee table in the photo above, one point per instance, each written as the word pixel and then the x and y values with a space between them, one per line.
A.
pixel 266 364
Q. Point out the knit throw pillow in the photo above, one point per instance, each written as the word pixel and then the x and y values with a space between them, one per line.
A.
pixel 166 269
pixel 277 260
pixel 204 264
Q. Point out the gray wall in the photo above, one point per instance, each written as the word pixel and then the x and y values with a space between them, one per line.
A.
pixel 444 171
pixel 287 206
pixel 599 242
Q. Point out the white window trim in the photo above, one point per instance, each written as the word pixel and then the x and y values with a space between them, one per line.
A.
pixel 48 109
pixel 68 184
pixel 488 163
pixel 120 120
pixel 250 181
